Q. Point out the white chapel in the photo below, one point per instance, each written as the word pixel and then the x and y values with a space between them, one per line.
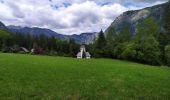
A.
pixel 83 53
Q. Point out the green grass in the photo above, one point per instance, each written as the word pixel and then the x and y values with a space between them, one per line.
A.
pixel 28 77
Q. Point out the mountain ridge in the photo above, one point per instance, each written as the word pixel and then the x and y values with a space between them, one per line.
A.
pixel 132 18
pixel 83 38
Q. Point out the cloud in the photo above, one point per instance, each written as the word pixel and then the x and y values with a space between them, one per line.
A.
pixel 67 16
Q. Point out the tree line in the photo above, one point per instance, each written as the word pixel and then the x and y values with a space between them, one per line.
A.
pixel 41 44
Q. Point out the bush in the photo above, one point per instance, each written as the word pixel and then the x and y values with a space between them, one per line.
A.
pixel 118 50
pixel 148 50
pixel 130 52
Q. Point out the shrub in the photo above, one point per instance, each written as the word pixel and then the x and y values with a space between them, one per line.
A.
pixel 130 51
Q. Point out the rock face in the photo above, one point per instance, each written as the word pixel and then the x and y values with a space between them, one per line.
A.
pixel 132 18
pixel 84 38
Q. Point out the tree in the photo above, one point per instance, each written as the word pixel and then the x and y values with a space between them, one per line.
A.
pixel 166 24
pixel 111 42
pixel 124 35
pixel 167 54
pixel 111 35
pixel 73 48
pixel 101 41
pixel 163 41
pixel 100 45
pixel 150 49
pixel 43 41
pixel 164 36
pixel 52 43
pixel 146 28
pixel 5 38
pixel 147 49
pixel 129 52
pixel 166 18
pixel 118 50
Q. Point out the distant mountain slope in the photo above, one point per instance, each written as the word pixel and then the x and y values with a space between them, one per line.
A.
pixel 82 38
pixel 36 31
pixel 132 18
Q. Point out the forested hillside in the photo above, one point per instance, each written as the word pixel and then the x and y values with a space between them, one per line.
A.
pixel 141 36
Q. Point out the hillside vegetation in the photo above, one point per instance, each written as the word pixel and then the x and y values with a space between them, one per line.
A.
pixel 28 77
pixel 140 36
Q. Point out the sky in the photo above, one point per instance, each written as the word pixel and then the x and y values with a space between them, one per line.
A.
pixel 68 16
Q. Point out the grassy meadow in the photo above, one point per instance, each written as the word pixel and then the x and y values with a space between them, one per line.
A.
pixel 30 77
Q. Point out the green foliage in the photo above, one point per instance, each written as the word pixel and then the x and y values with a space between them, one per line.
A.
pixel 119 48
pixel 166 18
pixel 100 45
pixel 146 28
pixel 5 38
pixel 101 41
pixel 111 42
pixel 164 36
pixel 43 41
pixel 144 47
pixel 111 35
pixel 167 54
pixel 73 48
pixel 129 53
pixel 163 41
pixel 146 39
pixel 47 45
pixel 124 35
pixel 4 34
pixel 148 50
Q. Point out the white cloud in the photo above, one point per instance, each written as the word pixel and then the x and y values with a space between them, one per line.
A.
pixel 62 16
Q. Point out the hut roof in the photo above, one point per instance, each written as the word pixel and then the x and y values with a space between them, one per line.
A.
pixel 24 49
pixel 79 54
pixel 88 54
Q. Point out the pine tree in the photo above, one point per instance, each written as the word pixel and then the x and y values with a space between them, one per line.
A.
pixel 111 35
pixel 73 48
pixel 111 42
pixel 101 41
pixel 100 45
pixel 43 42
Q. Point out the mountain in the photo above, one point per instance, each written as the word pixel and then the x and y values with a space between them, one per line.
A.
pixel 84 38
pixel 81 39
pixel 2 26
pixel 36 31
pixel 132 18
